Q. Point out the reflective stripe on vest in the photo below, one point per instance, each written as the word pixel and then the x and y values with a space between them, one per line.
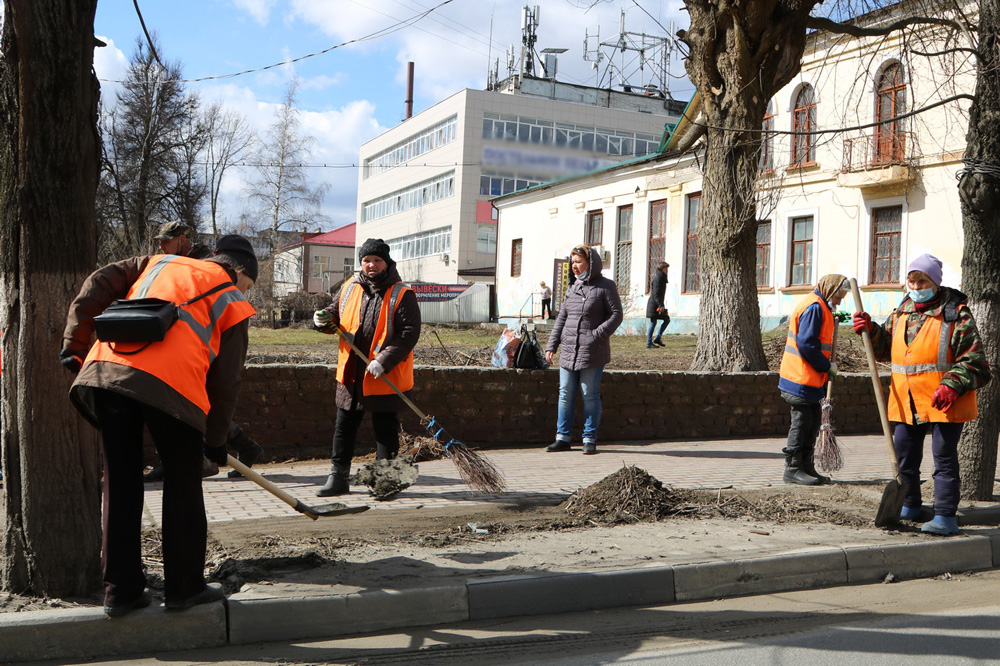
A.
pixel 917 371
pixel 794 368
pixel 182 359
pixel 350 320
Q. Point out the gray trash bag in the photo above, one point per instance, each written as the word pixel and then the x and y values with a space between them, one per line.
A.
pixel 387 478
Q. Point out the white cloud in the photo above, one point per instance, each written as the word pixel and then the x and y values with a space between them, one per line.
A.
pixel 259 10
pixel 338 132
pixel 452 47
pixel 110 64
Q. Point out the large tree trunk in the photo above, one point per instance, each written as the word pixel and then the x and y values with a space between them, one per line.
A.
pixel 49 156
pixel 980 194
pixel 741 53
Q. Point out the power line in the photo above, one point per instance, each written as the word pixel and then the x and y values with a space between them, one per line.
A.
pixel 374 35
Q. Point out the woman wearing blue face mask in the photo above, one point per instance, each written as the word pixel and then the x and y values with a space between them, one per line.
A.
pixel 938 362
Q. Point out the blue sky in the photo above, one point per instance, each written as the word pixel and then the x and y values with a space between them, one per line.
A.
pixel 354 93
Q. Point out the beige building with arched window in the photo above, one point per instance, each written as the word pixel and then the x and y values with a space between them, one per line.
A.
pixel 869 189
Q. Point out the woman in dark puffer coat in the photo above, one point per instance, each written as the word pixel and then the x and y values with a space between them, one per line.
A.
pixel 590 313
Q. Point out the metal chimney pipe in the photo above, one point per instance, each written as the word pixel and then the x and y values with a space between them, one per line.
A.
pixel 409 90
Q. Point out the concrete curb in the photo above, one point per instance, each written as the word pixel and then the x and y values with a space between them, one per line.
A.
pixel 87 633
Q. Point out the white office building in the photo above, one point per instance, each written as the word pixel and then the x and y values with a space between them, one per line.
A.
pixel 426 184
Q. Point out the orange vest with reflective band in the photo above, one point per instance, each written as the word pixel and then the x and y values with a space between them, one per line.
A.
pixel 917 370
pixel 350 319
pixel 182 358
pixel 794 368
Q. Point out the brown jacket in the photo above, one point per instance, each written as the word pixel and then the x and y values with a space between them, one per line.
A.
pixel 113 282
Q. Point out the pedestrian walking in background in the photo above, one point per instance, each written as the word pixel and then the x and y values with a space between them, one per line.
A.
pixel 175 238
pixel 590 313
pixel 938 362
pixel 805 369
pixel 381 316
pixel 546 294
pixel 656 306
pixel 183 389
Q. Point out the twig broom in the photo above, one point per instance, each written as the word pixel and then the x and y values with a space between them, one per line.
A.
pixel 475 469
pixel 828 453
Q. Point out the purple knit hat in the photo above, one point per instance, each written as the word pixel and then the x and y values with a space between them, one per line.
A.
pixel 929 265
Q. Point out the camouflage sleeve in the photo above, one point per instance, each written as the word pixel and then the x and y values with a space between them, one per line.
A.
pixel 971 370
pixel 882 339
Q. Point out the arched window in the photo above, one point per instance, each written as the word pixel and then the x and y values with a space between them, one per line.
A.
pixel 804 120
pixel 890 102
pixel 766 164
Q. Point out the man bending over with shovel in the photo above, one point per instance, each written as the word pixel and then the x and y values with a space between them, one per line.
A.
pixel 938 362
pixel 183 388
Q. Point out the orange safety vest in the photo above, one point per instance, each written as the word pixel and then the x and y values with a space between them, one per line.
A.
pixel 917 370
pixel 350 319
pixel 181 360
pixel 796 369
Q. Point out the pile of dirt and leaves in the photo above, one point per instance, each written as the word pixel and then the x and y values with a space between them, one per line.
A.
pixel 631 495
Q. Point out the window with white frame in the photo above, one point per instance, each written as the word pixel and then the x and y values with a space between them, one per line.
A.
pixel 426 192
pixel 423 244
pixel 321 266
pixel 348 266
pixel 443 133
pixel 520 129
pixel 486 238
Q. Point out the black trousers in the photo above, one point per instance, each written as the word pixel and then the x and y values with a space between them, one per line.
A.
pixel 806 420
pixel 909 443
pixel 185 527
pixel 546 308
pixel 386 426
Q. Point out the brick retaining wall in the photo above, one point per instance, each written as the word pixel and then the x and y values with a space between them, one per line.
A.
pixel 290 409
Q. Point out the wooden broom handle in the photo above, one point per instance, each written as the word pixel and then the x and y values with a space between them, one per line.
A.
pixel 345 336
pixel 876 382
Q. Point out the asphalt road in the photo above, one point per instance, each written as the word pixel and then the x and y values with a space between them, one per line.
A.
pixel 945 621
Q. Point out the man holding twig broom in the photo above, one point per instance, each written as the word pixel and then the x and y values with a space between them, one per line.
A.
pixel 805 369
pixel 380 316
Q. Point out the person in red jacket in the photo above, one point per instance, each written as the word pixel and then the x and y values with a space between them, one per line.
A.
pixel 182 388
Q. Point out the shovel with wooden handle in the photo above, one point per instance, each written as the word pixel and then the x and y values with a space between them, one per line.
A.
pixel 895 491
pixel 314 512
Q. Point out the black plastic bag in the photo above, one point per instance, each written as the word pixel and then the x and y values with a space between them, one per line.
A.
pixel 530 355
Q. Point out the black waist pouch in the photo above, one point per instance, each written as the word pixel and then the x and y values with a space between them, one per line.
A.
pixel 136 320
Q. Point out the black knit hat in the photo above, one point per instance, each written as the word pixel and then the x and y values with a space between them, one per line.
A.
pixel 376 247
pixel 241 251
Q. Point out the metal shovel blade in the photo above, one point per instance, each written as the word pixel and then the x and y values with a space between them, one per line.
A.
pixel 891 504
pixel 336 509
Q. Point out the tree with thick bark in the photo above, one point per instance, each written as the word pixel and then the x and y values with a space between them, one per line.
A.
pixel 740 54
pixel 979 189
pixel 50 536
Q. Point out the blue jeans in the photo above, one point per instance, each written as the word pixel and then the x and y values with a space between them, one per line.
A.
pixel 652 325
pixel 589 380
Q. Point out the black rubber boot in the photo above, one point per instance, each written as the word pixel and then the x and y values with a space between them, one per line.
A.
pixel 336 484
pixel 557 446
pixel 248 452
pixel 795 473
pixel 809 467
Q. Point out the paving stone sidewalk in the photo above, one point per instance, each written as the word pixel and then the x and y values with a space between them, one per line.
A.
pixel 534 476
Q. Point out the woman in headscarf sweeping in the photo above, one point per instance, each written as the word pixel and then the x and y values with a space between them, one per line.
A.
pixel 805 369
